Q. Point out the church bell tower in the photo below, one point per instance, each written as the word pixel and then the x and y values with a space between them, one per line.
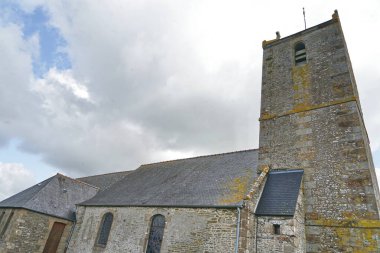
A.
pixel 311 119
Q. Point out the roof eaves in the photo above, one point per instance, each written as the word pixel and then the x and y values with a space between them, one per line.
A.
pixel 31 210
pixel 275 214
pixel 238 205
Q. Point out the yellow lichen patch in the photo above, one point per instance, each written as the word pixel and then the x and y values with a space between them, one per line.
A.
pixel 369 223
pixel 301 87
pixel 348 223
pixel 301 107
pixel 267 42
pixel 309 156
pixel 357 235
pixel 237 189
pixel 305 108
pixel 360 240
pixel 349 215
pixel 258 182
pixel 301 76
pixel 266 115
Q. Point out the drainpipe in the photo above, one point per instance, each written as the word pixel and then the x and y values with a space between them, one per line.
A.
pixel 237 231
pixel 257 224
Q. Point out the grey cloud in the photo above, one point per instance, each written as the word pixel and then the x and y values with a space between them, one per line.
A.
pixel 151 88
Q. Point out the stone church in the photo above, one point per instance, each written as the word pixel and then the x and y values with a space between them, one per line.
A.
pixel 309 187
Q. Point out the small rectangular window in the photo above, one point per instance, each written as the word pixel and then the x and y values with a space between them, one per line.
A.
pixel 276 229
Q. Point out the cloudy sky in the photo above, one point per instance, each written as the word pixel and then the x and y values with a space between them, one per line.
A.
pixel 90 87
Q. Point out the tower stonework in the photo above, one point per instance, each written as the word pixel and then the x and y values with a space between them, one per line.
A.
pixel 311 119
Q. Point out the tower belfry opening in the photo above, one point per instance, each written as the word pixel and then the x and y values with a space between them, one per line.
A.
pixel 299 53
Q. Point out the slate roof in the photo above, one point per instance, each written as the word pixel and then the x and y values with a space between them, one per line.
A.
pixel 208 181
pixel 279 197
pixel 55 196
pixel 104 181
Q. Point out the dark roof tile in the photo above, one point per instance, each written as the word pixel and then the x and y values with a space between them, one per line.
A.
pixel 215 180
pixel 104 181
pixel 55 196
pixel 280 194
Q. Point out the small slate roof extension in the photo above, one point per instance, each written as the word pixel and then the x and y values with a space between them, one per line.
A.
pixel 56 196
pixel 280 194
pixel 104 181
pixel 208 181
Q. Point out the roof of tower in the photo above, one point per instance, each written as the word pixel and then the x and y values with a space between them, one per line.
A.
pixel 278 39
pixel 54 196
pixel 220 180
pixel 280 194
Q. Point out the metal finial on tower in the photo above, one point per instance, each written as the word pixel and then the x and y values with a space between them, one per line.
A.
pixel 304 16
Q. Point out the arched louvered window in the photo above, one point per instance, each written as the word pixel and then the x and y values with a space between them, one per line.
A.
pixel 299 53
pixel 156 233
pixel 104 230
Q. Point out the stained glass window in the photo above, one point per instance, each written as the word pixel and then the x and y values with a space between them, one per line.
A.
pixel 105 229
pixel 156 234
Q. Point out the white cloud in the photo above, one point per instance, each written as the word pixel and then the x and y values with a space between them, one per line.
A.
pixel 146 95
pixel 17 106
pixel 64 78
pixel 14 177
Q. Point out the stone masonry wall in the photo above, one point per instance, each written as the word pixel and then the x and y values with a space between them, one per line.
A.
pixel 248 230
pixel 28 232
pixel 311 119
pixel 328 144
pixel 186 229
pixel 292 232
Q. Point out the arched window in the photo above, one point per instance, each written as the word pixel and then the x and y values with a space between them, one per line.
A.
pixel 5 227
pixel 1 216
pixel 156 234
pixel 299 53
pixel 104 230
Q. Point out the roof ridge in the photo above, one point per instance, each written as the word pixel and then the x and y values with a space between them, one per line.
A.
pixel 280 171
pixel 201 156
pixel 78 178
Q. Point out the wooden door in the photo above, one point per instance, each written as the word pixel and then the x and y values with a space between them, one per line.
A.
pixel 54 238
